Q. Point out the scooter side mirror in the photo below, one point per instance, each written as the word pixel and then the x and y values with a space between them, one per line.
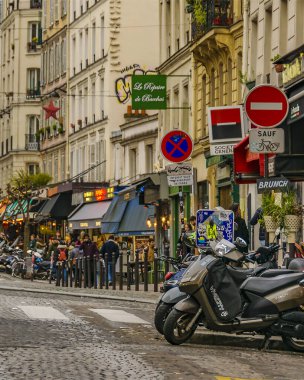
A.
pixel 240 242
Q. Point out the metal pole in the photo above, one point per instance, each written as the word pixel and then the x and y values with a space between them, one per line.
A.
pixel 181 209
pixel 121 270
pixel 137 270
pixel 155 270
pixel 113 272
pixel 94 269
pixel 166 252
pixel 106 271
pixel 85 277
pixel 80 272
pixel 71 273
pixel 101 272
pixel 76 273
pixel 51 267
pixel 89 274
pixel 146 269
pixel 128 270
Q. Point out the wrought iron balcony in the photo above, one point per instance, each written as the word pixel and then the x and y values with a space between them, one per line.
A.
pixel 36 4
pixel 31 142
pixel 33 93
pixel 214 13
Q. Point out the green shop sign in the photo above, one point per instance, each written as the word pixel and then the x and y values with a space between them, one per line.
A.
pixel 149 92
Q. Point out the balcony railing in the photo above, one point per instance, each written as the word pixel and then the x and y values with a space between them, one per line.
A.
pixel 215 13
pixel 36 4
pixel 33 93
pixel 31 142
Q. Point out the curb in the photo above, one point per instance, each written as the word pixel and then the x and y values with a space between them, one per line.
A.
pixel 72 294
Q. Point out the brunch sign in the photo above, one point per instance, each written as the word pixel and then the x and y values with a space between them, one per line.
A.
pixel 149 92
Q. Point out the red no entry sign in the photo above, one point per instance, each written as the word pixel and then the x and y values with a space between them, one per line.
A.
pixel 266 106
pixel 176 146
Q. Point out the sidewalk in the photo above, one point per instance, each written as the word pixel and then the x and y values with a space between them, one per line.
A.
pixel 8 282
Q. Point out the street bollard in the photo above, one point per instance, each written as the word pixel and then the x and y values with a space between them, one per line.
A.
pixel 137 270
pixel 167 254
pixel 120 270
pixel 95 270
pixel 58 280
pixel 128 270
pixel 101 272
pixel 89 274
pixel 85 277
pixel 113 271
pixel 155 270
pixel 33 267
pixel 106 271
pixel 146 269
pixel 80 271
pixel 76 273
pixel 71 272
pixel 62 273
pixel 51 267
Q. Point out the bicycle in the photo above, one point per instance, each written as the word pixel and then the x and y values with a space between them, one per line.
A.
pixel 267 145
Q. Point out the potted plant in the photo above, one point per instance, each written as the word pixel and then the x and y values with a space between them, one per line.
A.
pixel 60 130
pixel 291 215
pixel 249 83
pixel 279 67
pixel 270 211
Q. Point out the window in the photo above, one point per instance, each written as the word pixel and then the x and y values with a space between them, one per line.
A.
pixel 63 56
pixel 57 60
pixel 132 163
pixel 56 10
pixel 51 65
pixel 93 102
pixel 176 109
pixel 102 36
pixel 229 82
pixel 62 165
pixel 185 110
pixel 204 108
pixel 63 7
pixel 92 162
pixel 221 86
pixel 100 157
pixel 212 88
pixel 51 12
pixel 93 42
pixel 32 169
pixel 44 15
pixel 102 98
pixel 86 47
pixel 149 158
pixel 33 126
pixel 33 82
pixel 268 41
pixel 55 178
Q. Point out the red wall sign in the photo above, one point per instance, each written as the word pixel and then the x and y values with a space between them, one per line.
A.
pixel 225 124
pixel 266 106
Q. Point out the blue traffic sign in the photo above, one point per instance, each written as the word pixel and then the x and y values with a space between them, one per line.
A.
pixel 176 146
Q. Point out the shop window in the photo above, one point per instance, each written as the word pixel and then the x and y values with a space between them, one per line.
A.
pixel 202 194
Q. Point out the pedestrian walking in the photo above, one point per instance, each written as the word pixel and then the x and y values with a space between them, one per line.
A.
pixel 241 230
pixel 257 218
pixel 111 248
pixel 89 249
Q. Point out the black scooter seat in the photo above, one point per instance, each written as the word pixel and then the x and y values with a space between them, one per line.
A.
pixel 264 285
pixel 277 272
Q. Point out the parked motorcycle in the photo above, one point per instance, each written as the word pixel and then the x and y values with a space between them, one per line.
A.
pixel 42 268
pixel 268 306
pixel 264 256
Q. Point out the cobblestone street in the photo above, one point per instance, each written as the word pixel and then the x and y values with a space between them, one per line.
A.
pixel 52 337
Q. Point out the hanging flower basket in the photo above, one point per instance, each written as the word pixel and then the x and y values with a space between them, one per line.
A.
pixel 270 224
pixel 279 68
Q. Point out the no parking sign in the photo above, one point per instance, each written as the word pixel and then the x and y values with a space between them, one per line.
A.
pixel 176 146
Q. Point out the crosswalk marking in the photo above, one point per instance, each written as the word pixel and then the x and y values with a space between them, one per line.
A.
pixel 119 316
pixel 43 312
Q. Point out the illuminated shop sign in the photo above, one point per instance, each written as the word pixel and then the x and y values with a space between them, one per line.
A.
pixel 99 195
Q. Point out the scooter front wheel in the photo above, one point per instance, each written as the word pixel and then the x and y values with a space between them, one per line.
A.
pixel 160 316
pixel 175 327
pixel 294 343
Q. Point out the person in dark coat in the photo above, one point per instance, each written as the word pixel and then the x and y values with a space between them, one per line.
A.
pixel 90 250
pixel 111 248
pixel 258 215
pixel 241 230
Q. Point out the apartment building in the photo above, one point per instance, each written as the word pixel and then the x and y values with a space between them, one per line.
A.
pixel 108 43
pixel 20 83
pixel 175 55
pixel 52 134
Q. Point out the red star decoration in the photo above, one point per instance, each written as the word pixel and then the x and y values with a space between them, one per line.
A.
pixel 51 110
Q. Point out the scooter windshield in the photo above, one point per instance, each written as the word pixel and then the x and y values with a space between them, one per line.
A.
pixel 196 271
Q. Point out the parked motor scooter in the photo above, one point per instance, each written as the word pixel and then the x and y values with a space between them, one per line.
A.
pixel 42 268
pixel 268 306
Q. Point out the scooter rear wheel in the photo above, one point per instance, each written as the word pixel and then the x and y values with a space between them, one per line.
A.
pixel 160 316
pixel 293 343
pixel 175 327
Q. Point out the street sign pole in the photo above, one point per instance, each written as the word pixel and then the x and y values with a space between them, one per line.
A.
pixel 181 209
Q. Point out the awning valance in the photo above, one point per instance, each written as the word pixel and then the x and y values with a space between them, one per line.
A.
pixel 57 207
pixel 88 216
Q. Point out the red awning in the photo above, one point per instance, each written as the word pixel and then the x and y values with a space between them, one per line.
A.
pixel 248 166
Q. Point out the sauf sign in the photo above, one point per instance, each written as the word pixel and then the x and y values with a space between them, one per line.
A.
pixel 149 92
